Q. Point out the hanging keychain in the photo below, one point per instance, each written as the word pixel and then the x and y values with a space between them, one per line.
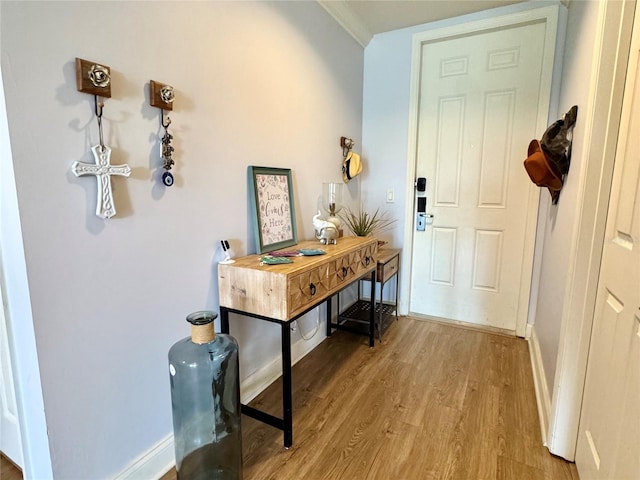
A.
pixel 167 149
pixel 162 97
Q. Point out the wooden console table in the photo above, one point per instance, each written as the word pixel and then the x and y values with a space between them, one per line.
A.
pixel 283 293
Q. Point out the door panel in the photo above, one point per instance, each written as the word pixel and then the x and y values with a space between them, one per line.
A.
pixel 479 100
pixel 609 433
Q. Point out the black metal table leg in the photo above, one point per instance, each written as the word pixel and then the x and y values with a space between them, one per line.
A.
pixel 287 394
pixel 380 313
pixel 329 316
pixel 372 310
pixel 224 320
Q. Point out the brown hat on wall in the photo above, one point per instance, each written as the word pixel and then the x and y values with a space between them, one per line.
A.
pixel 548 160
pixel 541 171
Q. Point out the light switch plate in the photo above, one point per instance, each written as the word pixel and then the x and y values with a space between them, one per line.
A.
pixel 390 196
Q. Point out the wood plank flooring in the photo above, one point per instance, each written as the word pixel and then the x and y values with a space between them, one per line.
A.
pixel 432 401
pixel 8 471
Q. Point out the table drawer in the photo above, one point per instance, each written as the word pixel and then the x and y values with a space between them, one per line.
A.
pixel 387 270
pixel 368 257
pixel 348 267
pixel 305 289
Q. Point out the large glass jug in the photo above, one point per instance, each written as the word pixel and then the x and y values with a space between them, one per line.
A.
pixel 205 396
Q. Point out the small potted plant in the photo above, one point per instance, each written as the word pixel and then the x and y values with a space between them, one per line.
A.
pixel 365 224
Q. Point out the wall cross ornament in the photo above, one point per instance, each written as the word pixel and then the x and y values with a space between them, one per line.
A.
pixel 102 169
pixel 95 79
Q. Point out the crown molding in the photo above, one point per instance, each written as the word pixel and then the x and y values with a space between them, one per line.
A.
pixel 342 13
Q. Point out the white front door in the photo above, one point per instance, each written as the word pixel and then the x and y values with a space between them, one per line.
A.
pixel 609 434
pixel 10 442
pixel 481 100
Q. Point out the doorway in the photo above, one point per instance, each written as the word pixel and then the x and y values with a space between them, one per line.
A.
pixel 480 93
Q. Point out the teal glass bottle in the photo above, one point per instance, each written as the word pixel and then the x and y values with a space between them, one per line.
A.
pixel 205 398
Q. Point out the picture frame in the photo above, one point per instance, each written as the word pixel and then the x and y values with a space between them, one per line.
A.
pixel 273 208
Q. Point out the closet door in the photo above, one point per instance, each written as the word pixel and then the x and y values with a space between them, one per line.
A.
pixel 609 433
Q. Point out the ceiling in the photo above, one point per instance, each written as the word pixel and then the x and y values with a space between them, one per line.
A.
pixel 365 18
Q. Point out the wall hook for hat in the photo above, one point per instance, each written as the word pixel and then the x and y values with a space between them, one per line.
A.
pixel 346 144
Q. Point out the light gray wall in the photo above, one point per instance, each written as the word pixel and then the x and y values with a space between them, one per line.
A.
pixel 561 220
pixel 257 83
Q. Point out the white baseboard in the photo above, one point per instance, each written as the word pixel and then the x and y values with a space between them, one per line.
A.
pixel 161 458
pixel 528 331
pixel 540 383
pixel 153 464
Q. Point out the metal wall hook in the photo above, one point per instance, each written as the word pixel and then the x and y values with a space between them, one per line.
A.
pixel 98 106
pixel 98 109
pixel 162 122
pixel 346 144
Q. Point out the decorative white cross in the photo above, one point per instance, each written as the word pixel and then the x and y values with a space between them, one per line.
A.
pixel 103 171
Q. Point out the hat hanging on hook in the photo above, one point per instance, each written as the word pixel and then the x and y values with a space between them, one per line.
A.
pixel 548 160
pixel 351 164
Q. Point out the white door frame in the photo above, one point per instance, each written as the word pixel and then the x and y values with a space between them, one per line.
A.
pixel 9 421
pixel 547 14
pixel 19 317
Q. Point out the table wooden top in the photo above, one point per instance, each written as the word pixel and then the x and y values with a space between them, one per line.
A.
pixel 386 254
pixel 303 262
pixel 283 291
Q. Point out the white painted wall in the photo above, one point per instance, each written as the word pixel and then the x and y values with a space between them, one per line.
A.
pixel 257 83
pixel 561 219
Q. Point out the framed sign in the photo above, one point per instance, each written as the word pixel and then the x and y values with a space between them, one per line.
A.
pixel 271 193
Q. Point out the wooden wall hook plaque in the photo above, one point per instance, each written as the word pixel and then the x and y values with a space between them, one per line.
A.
pixel 93 78
pixel 161 96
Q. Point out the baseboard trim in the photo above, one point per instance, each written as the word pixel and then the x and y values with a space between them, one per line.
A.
pixel 528 330
pixel 152 464
pixel 543 400
pixel 461 324
pixel 161 458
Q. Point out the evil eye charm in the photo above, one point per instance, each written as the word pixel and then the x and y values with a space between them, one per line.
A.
pixel 167 179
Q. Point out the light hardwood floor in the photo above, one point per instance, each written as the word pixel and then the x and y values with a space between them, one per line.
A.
pixel 432 401
pixel 8 471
